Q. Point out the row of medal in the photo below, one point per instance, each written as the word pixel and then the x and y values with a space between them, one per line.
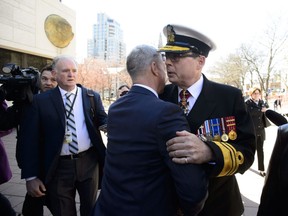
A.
pixel 218 129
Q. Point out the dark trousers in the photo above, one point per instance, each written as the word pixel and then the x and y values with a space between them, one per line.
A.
pixel 5 207
pixel 260 152
pixel 33 206
pixel 74 174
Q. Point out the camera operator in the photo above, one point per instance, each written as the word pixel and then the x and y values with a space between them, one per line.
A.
pixel 17 86
pixel 47 80
pixel 33 206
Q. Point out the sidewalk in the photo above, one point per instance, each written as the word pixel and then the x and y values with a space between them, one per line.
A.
pixel 15 189
pixel 250 182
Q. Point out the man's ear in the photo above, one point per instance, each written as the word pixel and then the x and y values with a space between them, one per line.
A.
pixel 154 68
pixel 201 60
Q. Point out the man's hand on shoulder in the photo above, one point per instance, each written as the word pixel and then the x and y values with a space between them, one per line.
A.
pixel 188 148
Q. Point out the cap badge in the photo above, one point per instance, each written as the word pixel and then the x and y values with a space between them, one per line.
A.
pixel 170 34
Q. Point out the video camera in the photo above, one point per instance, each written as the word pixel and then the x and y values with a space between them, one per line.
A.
pixel 19 84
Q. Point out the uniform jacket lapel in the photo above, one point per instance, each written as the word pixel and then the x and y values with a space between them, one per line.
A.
pixel 203 107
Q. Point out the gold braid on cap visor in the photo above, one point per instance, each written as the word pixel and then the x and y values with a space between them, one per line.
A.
pixel 232 158
pixel 174 48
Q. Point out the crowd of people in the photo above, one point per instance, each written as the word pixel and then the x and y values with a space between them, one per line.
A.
pixel 172 149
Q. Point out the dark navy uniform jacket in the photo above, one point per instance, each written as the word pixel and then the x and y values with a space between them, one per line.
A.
pixel 231 157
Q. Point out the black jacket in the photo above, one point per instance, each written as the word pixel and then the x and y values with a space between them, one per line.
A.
pixel 42 130
pixel 274 194
pixel 218 101
pixel 258 117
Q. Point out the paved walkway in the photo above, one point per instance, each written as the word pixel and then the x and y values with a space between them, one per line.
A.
pixel 250 183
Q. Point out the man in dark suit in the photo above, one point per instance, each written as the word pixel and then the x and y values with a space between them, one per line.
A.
pixel 59 145
pixel 222 130
pixel 274 193
pixel 33 206
pixel 139 177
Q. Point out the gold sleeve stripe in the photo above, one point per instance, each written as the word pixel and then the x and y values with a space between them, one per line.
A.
pixel 232 158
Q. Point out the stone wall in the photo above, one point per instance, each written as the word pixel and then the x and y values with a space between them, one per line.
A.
pixel 22 27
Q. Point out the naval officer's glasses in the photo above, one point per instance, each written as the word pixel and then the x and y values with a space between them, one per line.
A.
pixel 175 57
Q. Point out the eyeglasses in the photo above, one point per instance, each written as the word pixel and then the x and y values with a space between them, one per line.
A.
pixel 163 56
pixel 175 57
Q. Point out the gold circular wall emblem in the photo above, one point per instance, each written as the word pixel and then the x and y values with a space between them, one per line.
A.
pixel 58 30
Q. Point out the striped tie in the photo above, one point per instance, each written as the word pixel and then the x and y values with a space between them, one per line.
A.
pixel 71 126
pixel 184 104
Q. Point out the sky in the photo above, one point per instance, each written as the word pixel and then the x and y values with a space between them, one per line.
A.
pixel 229 23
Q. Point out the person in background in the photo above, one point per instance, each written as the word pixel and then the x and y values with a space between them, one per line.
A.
pixel 222 135
pixel 277 103
pixel 139 177
pixel 8 120
pixel 47 80
pixel 60 143
pixel 33 206
pixel 274 193
pixel 122 90
pixel 257 108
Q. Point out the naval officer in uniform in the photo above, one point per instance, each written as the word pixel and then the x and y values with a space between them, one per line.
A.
pixel 222 130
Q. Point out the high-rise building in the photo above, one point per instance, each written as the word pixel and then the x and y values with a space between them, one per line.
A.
pixel 90 48
pixel 107 43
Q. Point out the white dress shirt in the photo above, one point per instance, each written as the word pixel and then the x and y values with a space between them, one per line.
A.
pixel 83 138
pixel 195 91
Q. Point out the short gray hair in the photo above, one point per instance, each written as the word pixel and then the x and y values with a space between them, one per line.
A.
pixel 62 57
pixel 140 58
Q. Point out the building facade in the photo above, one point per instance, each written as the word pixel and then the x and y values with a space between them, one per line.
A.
pixel 32 32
